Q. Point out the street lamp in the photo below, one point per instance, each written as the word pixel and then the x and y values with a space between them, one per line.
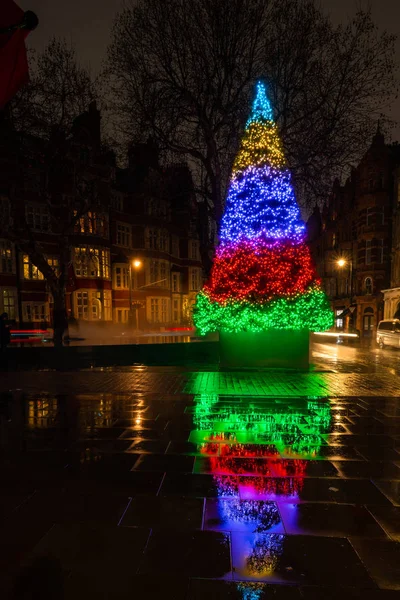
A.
pixel 135 264
pixel 342 262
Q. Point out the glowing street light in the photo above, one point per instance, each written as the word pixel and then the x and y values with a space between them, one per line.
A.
pixel 343 262
pixel 136 264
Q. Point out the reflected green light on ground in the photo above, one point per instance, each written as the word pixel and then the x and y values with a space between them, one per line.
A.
pixel 261 383
pixel 294 428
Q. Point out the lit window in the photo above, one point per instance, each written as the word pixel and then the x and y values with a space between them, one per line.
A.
pixel 92 262
pixel 9 303
pixel 82 302
pixel 158 310
pixel 6 257
pixel 93 223
pixel 34 312
pixel 339 322
pixel 154 310
pixel 107 305
pixel 164 310
pixel 163 274
pixel 54 263
pixel 37 217
pixel 175 282
pixel 30 270
pixel 124 233
pixel 194 280
pixel 175 310
pixel 121 277
pixel 122 315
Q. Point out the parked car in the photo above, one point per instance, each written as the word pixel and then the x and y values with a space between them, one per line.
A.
pixel 388 333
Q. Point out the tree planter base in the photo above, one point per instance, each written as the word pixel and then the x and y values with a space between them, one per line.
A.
pixel 275 349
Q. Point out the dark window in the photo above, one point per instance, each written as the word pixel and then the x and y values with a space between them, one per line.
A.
pixel 386 326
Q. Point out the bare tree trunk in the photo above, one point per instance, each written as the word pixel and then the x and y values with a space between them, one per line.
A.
pixel 59 316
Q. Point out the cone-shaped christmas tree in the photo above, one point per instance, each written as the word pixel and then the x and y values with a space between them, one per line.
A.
pixel 263 277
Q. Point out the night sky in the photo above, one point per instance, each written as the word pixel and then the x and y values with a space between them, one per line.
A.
pixel 87 24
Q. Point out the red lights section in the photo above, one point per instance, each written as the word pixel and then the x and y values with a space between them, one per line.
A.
pixel 261 272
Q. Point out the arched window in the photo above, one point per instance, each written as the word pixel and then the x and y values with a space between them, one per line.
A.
pixel 368 285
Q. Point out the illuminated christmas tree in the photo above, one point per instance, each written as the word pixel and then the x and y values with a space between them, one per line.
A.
pixel 263 277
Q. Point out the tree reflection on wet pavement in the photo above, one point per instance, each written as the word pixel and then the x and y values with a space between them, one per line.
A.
pixel 186 484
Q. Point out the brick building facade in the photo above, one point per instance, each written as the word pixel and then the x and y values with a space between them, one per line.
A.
pixel 392 295
pixel 142 244
pixel 351 239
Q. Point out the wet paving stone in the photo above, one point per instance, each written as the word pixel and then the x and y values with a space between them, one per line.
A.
pixel 141 433
pixel 234 514
pixel 254 496
pixel 296 559
pixel 200 486
pixel 148 447
pixel 11 499
pixel 336 520
pixel 240 590
pixel 378 453
pixel 317 593
pixel 164 463
pixel 159 588
pixel 339 453
pixel 101 446
pixel 193 554
pixel 161 512
pixel 193 449
pixel 389 519
pixel 96 557
pixel 367 470
pixel 382 559
pixel 391 489
pixel 106 468
pixel 69 506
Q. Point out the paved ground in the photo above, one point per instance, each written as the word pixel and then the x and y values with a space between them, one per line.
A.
pixel 188 484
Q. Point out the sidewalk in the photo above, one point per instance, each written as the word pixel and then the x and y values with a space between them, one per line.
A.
pixel 160 381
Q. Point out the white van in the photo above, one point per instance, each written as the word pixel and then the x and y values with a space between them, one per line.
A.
pixel 388 333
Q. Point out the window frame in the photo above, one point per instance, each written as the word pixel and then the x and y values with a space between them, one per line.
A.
pixel 123 235
pixel 369 288
pixel 368 252
pixel 7 257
